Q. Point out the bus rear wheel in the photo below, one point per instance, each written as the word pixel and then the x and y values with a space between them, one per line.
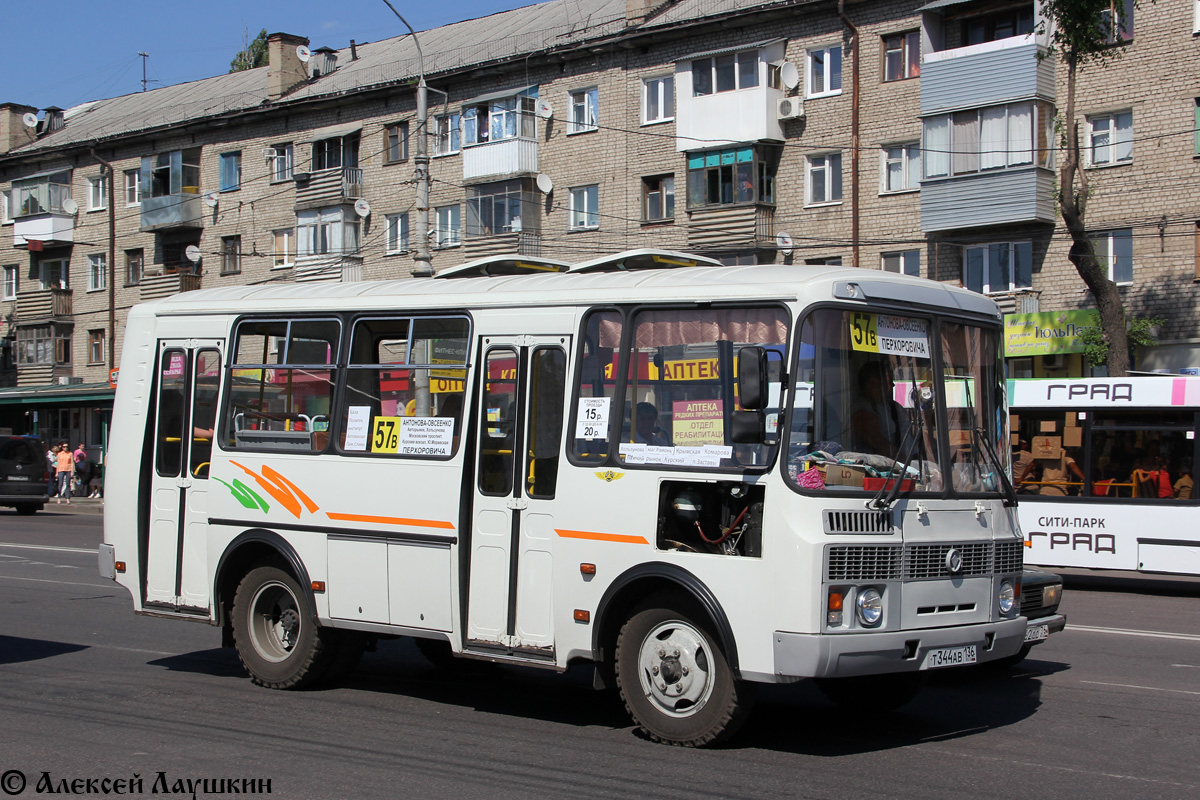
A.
pixel 276 633
pixel 675 681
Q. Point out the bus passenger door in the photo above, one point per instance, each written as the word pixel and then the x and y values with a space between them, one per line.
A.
pixel 520 419
pixel 189 375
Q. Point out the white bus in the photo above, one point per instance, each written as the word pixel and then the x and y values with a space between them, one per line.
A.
pixel 549 469
pixel 1110 484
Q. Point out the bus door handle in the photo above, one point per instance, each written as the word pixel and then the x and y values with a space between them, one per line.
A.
pixel 518 503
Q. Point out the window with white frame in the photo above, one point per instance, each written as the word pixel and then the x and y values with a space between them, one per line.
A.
pixel 500 119
pixel 658 198
pixel 54 273
pixel 447 134
pixel 658 99
pixel 905 262
pixel 447 230
pixel 824 179
pixel 230 171
pixel 97 272
pixel 97 193
pixel 395 143
pixel 824 73
pixel 135 261
pixel 584 211
pixel 901 167
pixel 231 255
pixel 280 157
pixel 96 346
pixel 11 277
pixel 726 72
pixel 732 176
pixel 326 232
pixel 283 252
pixel 1110 139
pixel 1114 251
pixel 497 208
pixel 902 56
pixel 998 267
pixel 133 187
pixel 993 138
pixel 397 233
pixel 585 110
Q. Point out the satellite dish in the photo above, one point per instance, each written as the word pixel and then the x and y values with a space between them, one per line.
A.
pixel 362 207
pixel 790 75
pixel 30 119
pixel 211 199
pixel 545 184
pixel 192 253
pixel 544 109
pixel 784 242
pixel 303 53
pixel 70 206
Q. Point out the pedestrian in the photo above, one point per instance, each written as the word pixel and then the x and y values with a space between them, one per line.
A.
pixel 52 471
pixel 96 482
pixel 65 470
pixel 81 457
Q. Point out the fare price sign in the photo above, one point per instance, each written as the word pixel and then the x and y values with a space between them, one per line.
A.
pixel 889 335
pixel 591 422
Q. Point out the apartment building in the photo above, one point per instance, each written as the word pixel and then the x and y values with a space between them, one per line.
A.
pixel 883 134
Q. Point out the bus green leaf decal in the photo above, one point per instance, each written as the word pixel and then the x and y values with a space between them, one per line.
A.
pixel 244 494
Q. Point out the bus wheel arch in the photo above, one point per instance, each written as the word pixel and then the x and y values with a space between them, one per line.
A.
pixel 249 549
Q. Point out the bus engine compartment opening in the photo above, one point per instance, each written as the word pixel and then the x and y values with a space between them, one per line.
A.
pixel 721 518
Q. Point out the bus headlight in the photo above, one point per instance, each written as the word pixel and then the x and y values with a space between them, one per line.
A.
pixel 1008 597
pixel 869 606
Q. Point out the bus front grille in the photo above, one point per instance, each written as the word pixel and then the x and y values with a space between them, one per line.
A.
pixel 1010 556
pixel 863 563
pixel 843 522
pixel 917 562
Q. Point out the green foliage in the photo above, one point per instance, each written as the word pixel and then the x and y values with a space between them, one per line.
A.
pixel 1142 332
pixel 253 54
pixel 1087 30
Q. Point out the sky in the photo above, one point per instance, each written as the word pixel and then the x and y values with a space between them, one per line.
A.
pixel 84 50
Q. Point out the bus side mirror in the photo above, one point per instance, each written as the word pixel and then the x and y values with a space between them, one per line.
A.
pixel 752 378
pixel 748 427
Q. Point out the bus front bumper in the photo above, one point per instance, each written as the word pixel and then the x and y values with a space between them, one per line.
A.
pixel 806 655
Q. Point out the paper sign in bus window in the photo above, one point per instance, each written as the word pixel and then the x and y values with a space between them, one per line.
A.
pixel 697 422
pixel 591 421
pixel 358 422
pixel 426 436
pixel 890 335
pixel 385 434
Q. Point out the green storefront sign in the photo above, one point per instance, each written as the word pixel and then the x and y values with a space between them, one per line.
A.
pixel 1045 333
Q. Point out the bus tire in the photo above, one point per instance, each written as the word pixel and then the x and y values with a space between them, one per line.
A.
pixel 872 693
pixel 276 633
pixel 674 679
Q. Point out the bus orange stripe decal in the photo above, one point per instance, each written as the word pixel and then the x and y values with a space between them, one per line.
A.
pixel 602 537
pixel 418 523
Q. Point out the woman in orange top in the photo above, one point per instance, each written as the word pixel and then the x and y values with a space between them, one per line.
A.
pixel 64 464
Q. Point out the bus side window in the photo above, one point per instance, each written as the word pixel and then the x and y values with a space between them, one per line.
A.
pixel 548 375
pixel 204 411
pixel 172 385
pixel 497 445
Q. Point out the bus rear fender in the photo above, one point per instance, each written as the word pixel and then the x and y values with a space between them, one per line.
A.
pixel 250 548
pixel 635 585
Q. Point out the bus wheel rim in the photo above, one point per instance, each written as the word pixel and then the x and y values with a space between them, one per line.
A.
pixel 275 621
pixel 674 668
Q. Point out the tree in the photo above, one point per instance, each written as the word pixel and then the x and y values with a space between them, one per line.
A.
pixel 253 54
pixel 1086 32
pixel 1141 332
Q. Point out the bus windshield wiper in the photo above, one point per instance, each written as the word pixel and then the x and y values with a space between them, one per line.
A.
pixel 911 437
pixel 1010 494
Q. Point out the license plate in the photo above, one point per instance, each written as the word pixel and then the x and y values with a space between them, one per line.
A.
pixel 18 477
pixel 950 657
pixel 1036 633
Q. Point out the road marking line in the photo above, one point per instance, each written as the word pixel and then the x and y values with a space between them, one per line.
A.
pixel 48 547
pixel 1187 637
pixel 1187 666
pixel 64 583
pixel 1057 768
pixel 1132 686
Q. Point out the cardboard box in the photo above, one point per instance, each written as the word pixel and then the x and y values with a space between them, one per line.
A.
pixel 837 475
pixel 1014 439
pixel 1048 426
pixel 960 438
pixel 1047 447
pixel 1072 436
pixel 1071 421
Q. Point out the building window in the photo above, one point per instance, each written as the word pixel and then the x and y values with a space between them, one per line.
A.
pixel 1114 251
pixel 824 72
pixel 585 110
pixel 658 198
pixel 447 136
pixel 97 193
pixel 231 255
pixel 448 230
pixel 54 273
pixel 1117 21
pixel 395 143
pixel 907 262
pixel 728 177
pixel 584 211
pixel 134 264
pixel 901 168
pixel 231 171
pixel 724 73
pixel 280 158
pixel 1196 116
pixel 35 345
pixel 11 278
pixel 283 253
pixel 96 346
pixel 827 261
pixel 998 25
pixel 999 267
pixel 326 232
pixel 993 138
pixel 824 179
pixel 496 208
pixel 500 119
pixel 1110 139
pixel 41 195
pixel 397 233
pixel 658 99
pixel 340 151
pixel 902 56
pixel 97 272
pixel 133 187
pixel 5 209
pixel 62 346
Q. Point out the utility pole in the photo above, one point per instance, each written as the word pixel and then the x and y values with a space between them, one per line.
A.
pixel 423 266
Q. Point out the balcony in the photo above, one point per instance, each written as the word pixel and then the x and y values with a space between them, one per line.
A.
pixel 725 117
pixel 152 287
pixel 986 74
pixel 493 161
pixel 43 210
pixel 732 226
pixel 525 243
pixel 51 228
pixel 329 187
pixel 988 198
pixel 183 210
pixel 338 269
pixel 44 304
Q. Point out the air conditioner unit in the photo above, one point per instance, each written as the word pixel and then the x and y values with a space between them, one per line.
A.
pixel 69 380
pixel 791 108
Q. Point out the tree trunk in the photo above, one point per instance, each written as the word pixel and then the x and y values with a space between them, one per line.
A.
pixel 1072 204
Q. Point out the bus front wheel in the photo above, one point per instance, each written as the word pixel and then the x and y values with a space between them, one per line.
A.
pixel 275 631
pixel 675 681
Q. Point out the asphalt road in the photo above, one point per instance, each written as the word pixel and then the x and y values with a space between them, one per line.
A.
pixel 1109 708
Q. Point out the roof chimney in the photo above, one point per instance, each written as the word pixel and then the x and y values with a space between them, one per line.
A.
pixel 14 132
pixel 637 11
pixel 324 61
pixel 54 119
pixel 285 70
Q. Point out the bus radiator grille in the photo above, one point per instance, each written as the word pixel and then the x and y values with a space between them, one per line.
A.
pixel 1010 557
pixel 851 522
pixel 863 563
pixel 924 561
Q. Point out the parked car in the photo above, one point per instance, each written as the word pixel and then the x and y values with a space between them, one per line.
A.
pixel 23 474
pixel 1041 593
